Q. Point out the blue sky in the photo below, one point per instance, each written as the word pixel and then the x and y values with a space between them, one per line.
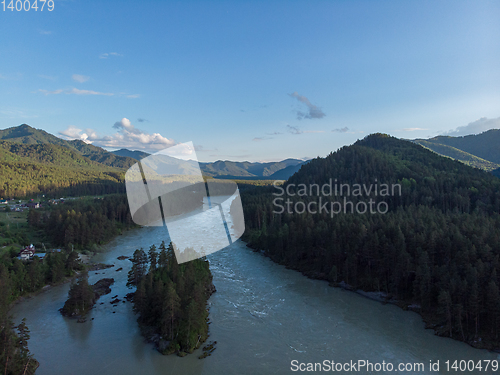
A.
pixel 251 80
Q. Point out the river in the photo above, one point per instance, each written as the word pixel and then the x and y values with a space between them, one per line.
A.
pixel 262 316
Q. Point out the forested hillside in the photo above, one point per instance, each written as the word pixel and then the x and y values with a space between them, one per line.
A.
pixel 35 162
pixel 478 150
pixel 455 153
pixel 50 154
pixel 25 134
pixel 436 249
pixel 24 178
pixel 83 223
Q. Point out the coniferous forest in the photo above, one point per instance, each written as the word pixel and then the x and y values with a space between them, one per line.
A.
pixel 436 250
pixel 83 223
pixel 171 298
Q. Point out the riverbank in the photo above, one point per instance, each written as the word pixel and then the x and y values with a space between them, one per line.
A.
pixel 430 321
pixel 67 279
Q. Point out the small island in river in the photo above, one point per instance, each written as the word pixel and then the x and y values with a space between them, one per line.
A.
pixel 171 299
pixel 82 296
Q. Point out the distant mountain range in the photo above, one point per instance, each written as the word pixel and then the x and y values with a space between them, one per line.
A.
pixel 232 169
pixel 32 161
pixel 137 155
pixel 480 151
pixel 237 170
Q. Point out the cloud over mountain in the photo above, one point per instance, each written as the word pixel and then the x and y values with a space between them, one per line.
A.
pixel 475 127
pixel 127 136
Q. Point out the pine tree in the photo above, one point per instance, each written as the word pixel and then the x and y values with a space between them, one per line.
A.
pixel 72 262
pixel 171 306
pixel 163 259
pixel 493 304
pixel 139 267
pixel 445 305
pixel 153 258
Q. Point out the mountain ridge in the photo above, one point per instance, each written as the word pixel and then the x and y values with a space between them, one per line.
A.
pixel 26 134
pixel 24 145
pixel 478 150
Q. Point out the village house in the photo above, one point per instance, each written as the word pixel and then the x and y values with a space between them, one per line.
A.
pixel 27 253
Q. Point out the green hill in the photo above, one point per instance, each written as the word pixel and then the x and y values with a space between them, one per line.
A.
pixel 25 134
pixel 33 161
pixel 102 156
pixel 480 151
pixel 496 172
pixel 455 153
pixel 28 135
pixel 24 178
pixel 137 155
pixel 49 154
pixel 287 172
pixel 436 248
pixel 246 169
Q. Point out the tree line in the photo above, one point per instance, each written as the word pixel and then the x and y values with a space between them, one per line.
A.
pixel 25 178
pixel 81 223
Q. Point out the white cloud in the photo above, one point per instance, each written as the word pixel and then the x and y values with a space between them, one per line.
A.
pixel 106 55
pixel 135 96
pixel 88 92
pixel 72 132
pixel 183 151
pixel 55 92
pixel 475 127
pixel 80 78
pixel 127 136
pixel 45 32
pixel 74 91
